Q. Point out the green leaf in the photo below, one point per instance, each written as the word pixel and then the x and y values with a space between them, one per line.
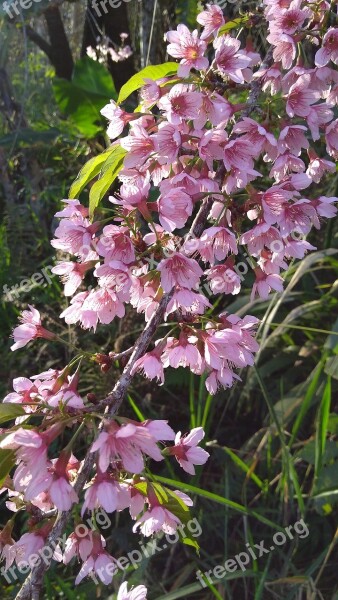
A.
pixel 7 462
pixel 88 172
pixel 84 96
pixel 233 24
pixel 153 72
pixel 244 467
pixel 10 411
pixel 218 499
pixel 331 367
pixel 322 425
pixel 110 170
pixel 187 590
pixel 306 402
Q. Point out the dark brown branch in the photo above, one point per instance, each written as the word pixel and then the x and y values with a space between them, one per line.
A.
pixel 39 41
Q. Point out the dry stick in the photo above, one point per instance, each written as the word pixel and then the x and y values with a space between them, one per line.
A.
pixel 31 588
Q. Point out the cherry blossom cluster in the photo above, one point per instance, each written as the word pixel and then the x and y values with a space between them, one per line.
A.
pixel 207 178
pixel 121 450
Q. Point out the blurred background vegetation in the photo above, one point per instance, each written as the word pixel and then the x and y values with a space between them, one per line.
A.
pixel 273 437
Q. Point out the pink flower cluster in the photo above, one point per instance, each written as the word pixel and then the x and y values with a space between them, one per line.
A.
pixel 190 143
pixel 120 449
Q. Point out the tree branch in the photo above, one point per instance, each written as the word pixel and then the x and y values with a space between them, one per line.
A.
pixel 39 41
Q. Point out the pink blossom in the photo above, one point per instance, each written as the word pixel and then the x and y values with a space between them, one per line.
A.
pixel 288 21
pixel 271 79
pixel 265 283
pixel 256 134
pixel 216 243
pixel 115 244
pixel 301 97
pixel 100 305
pixel 99 563
pixel 324 206
pixel 229 344
pixel 139 146
pixel 30 329
pixel 228 61
pixel 298 216
pixel 182 102
pixel 211 145
pixel 187 302
pixel 329 49
pixel 182 353
pixel 136 503
pixel 25 391
pixel 106 492
pixel 157 519
pixel 263 235
pixel 186 451
pixel 179 270
pixel 150 92
pixel 78 546
pixel 135 593
pixel 150 365
pixel 224 377
pixel 72 274
pixel 285 48
pixel 285 164
pixel 133 193
pixel 26 546
pixel 174 207
pixel 292 138
pixel 167 143
pixel 318 116
pixel 238 153
pixel 187 46
pixel 214 108
pixel 72 208
pixel 211 19
pixel 318 167
pixel 273 201
pixel 297 248
pixel 62 493
pixel 331 136
pixel 76 236
pixel 223 279
pixel 117 118
pixel 129 442
pixel 145 296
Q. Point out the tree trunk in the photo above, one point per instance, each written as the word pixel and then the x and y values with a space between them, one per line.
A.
pixel 61 56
